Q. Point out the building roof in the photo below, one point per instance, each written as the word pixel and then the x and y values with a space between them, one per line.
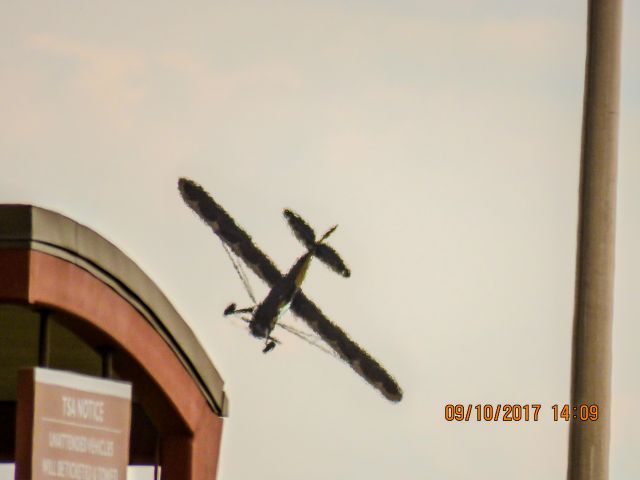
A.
pixel 27 226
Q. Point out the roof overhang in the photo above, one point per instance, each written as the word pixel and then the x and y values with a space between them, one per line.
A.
pixel 33 228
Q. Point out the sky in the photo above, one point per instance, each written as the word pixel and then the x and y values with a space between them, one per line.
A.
pixel 444 140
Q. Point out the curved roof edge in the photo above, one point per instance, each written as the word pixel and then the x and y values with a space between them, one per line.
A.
pixel 55 234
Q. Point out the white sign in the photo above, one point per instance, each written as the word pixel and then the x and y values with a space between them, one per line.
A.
pixel 79 426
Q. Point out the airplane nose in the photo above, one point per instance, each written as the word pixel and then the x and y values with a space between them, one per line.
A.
pixel 257 330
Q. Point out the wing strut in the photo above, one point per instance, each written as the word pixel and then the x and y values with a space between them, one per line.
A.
pixel 309 338
pixel 241 273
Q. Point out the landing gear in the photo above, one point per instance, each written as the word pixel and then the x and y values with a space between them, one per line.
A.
pixel 270 344
pixel 231 310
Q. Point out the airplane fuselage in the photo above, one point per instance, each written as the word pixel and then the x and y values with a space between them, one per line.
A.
pixel 279 299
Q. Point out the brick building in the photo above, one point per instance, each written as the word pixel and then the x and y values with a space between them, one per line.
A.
pixel 71 300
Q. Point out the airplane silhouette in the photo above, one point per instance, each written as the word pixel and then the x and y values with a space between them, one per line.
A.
pixel 285 290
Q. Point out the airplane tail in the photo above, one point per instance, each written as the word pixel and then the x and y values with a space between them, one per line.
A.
pixel 301 229
pixel 321 251
pixel 331 259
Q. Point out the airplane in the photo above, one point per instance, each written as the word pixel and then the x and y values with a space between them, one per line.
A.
pixel 265 315
pixel 285 290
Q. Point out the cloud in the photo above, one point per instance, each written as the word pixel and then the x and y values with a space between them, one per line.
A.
pixel 108 78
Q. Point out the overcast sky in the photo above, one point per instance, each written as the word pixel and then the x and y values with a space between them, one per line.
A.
pixel 443 138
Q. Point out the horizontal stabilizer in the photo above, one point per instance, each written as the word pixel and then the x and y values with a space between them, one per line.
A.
pixel 330 258
pixel 301 229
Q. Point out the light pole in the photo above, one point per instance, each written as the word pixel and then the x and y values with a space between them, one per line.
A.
pixel 591 356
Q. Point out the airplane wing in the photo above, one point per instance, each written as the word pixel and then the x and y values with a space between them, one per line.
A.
pixel 241 244
pixel 357 358
pixel 229 232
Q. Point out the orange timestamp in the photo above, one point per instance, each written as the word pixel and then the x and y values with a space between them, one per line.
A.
pixel 516 412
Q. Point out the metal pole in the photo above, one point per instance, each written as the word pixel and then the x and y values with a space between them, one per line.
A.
pixel 591 358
